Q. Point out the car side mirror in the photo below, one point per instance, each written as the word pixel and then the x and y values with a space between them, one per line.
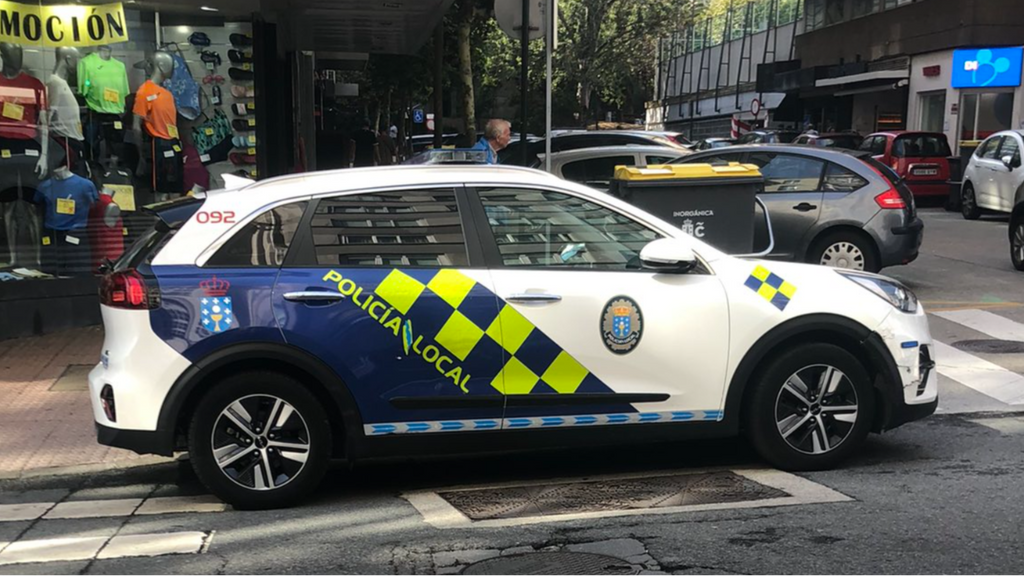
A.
pixel 668 256
pixel 1008 161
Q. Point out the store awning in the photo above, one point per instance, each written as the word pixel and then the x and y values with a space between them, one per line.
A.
pixel 866 77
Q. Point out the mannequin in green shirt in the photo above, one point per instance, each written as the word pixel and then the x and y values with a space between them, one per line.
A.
pixel 103 81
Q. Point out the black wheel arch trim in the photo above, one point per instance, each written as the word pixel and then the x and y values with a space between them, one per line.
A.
pixel 182 389
pixel 872 350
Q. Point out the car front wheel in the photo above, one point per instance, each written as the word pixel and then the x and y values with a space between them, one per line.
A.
pixel 969 203
pixel 1017 242
pixel 810 409
pixel 260 440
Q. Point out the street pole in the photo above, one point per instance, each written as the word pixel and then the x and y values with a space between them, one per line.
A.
pixel 438 86
pixel 549 41
pixel 524 89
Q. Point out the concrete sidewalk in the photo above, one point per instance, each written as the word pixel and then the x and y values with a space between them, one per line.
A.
pixel 46 423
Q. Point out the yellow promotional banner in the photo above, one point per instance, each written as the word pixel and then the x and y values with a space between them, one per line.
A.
pixel 62 25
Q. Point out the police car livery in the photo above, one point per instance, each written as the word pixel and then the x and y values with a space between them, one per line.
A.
pixel 437 309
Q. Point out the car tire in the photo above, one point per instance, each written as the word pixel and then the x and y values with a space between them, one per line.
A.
pixel 812 431
pixel 1017 242
pixel 847 250
pixel 969 203
pixel 231 444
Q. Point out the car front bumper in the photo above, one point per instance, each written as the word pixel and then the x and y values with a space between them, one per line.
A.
pixel 911 385
pixel 899 241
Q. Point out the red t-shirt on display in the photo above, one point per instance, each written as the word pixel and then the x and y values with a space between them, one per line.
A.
pixel 22 99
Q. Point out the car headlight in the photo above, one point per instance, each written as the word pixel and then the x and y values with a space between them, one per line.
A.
pixel 887 289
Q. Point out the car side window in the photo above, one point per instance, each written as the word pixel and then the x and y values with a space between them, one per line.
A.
pixel 990 148
pixel 654 160
pixel 718 158
pixel 801 140
pixel 1010 147
pixel 788 172
pixel 595 169
pixel 839 179
pixel 264 241
pixel 542 228
pixel 409 228
pixel 878 145
pixel 868 144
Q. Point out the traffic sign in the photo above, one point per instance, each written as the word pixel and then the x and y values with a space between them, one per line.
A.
pixel 755 107
pixel 417 116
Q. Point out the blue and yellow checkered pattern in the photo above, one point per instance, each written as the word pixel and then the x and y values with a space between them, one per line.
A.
pixel 771 287
pixel 467 326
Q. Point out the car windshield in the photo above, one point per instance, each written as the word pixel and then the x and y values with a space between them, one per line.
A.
pixel 921 146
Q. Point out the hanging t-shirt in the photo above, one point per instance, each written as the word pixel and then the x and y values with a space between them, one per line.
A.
pixel 156 106
pixel 103 83
pixel 22 98
pixel 65 115
pixel 67 202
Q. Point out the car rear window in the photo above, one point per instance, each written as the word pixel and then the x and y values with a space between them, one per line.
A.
pixel 849 142
pixel 920 146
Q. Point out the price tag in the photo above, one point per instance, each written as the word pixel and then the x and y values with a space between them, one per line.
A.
pixel 176 148
pixel 151 97
pixel 13 111
pixel 66 206
pixel 246 66
pixel 208 131
pixel 252 140
pixel 31 152
pixel 204 158
pixel 124 231
pixel 210 66
pixel 172 130
pixel 72 240
pixel 252 122
pixel 169 154
pixel 251 151
pixel 5 153
pixel 251 105
pixel 111 95
pixel 46 240
pixel 118 126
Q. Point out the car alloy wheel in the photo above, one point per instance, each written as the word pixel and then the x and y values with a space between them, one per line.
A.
pixel 843 255
pixel 816 409
pixel 260 442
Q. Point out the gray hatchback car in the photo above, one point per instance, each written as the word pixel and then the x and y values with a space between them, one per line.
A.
pixel 830 207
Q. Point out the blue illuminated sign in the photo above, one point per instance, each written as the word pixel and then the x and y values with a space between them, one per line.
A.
pixel 987 67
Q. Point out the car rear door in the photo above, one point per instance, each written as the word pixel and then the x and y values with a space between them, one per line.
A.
pixel 385 288
pixel 589 336
pixel 793 195
pixel 1007 177
pixel 988 166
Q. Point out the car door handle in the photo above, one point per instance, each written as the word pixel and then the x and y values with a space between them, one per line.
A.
pixel 526 298
pixel 804 207
pixel 313 296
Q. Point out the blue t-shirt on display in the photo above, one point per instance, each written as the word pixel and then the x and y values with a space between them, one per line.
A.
pixel 67 202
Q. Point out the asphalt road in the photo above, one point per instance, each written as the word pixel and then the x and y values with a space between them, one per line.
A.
pixel 937 496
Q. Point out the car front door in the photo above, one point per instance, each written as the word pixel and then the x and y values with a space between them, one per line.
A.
pixel 988 167
pixel 380 288
pixel 1007 176
pixel 793 195
pixel 589 336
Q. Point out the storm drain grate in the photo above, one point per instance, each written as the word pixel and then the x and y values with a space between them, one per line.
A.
pixel 608 495
pixel 991 346
pixel 551 563
pixel 74 379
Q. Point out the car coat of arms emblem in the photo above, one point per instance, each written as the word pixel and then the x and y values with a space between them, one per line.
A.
pixel 622 325
pixel 215 305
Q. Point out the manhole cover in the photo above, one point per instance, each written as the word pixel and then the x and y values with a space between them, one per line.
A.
pixel 607 495
pixel 551 563
pixel 74 379
pixel 991 346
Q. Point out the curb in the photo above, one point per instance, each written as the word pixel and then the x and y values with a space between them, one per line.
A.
pixel 80 469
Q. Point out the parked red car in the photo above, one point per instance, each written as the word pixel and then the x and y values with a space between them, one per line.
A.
pixel 920 158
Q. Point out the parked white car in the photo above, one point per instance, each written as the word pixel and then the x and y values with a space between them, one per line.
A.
pixel 994 179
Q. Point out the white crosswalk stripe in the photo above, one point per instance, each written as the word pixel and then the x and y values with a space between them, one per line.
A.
pixel 99 547
pixel 110 508
pixel 986 322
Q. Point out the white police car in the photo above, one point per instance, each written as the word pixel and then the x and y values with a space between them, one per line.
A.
pixel 432 309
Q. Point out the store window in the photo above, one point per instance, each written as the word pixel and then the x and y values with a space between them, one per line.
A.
pixel 106 107
pixel 933 111
pixel 983 114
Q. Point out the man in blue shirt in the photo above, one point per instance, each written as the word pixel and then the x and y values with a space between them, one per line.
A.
pixel 497 134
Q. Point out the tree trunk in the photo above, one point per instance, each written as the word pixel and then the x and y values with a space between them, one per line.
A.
pixel 387 110
pixel 466 71
pixel 439 85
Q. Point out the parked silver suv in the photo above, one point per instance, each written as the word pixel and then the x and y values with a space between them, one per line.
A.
pixel 831 207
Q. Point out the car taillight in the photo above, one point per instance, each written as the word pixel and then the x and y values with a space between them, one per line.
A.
pixel 126 289
pixel 890 200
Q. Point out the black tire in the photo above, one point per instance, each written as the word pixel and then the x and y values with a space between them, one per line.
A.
pixel 845 249
pixel 258 393
pixel 767 409
pixel 1017 242
pixel 969 203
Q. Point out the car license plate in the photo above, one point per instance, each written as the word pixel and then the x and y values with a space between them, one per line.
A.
pixel 926 172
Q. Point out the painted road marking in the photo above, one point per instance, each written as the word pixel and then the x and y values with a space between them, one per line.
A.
pixel 439 513
pixel 1007 426
pixel 100 547
pixel 984 376
pixel 110 508
pixel 988 323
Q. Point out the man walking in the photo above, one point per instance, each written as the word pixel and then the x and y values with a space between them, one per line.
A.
pixel 497 134
pixel 364 147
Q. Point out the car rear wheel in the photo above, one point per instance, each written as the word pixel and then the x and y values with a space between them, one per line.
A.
pixel 810 408
pixel 260 440
pixel 969 203
pixel 845 250
pixel 1017 242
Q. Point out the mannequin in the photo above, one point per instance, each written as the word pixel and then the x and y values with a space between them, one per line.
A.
pixel 66 199
pixel 103 82
pixel 65 119
pixel 155 111
pixel 24 146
